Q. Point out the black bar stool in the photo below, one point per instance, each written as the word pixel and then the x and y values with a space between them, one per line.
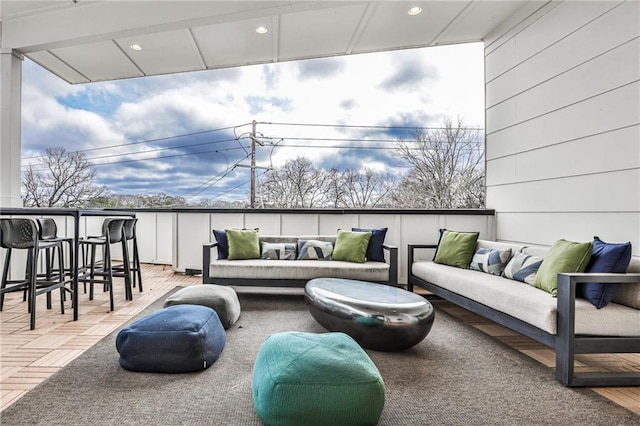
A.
pixel 134 267
pixel 112 233
pixel 48 232
pixel 22 234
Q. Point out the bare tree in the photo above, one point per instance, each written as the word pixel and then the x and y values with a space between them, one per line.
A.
pixel 139 201
pixel 297 184
pixel 410 193
pixel 335 189
pixel 446 168
pixel 365 189
pixel 60 179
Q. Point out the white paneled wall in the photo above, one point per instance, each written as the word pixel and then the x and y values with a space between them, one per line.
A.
pixel 563 123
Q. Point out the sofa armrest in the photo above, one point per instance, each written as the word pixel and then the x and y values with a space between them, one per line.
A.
pixel 206 261
pixel 411 248
pixel 393 263
pixel 567 343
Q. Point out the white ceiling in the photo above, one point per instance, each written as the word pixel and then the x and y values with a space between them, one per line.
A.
pixel 89 40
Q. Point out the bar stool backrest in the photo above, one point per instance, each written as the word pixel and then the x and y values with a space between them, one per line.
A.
pixel 113 228
pixel 18 233
pixel 130 228
pixel 48 229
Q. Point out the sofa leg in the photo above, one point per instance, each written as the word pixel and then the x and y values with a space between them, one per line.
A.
pixel 564 365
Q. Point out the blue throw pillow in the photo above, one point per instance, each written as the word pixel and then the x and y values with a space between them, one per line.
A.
pixel 606 258
pixel 375 252
pixel 223 243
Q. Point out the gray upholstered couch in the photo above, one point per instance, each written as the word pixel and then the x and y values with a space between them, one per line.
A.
pixel 568 324
pixel 294 273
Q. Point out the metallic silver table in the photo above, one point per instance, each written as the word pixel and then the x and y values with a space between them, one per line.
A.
pixel 377 316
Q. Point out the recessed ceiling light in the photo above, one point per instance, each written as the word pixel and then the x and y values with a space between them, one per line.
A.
pixel 262 30
pixel 416 10
pixel 135 46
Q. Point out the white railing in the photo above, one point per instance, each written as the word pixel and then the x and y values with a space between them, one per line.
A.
pixel 175 236
pixel 191 229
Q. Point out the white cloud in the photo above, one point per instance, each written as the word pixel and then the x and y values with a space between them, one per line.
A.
pixel 416 87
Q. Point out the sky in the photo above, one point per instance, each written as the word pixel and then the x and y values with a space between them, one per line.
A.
pixel 187 134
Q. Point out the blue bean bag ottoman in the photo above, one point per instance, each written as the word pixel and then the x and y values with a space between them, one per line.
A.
pixel 177 339
pixel 221 299
pixel 316 379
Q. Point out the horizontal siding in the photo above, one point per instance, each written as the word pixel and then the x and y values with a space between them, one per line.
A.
pixel 611 191
pixel 548 26
pixel 584 45
pixel 560 160
pixel 607 112
pixel 614 69
pixel 563 124
pixel 544 228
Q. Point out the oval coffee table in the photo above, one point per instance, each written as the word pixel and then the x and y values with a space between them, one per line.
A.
pixel 377 316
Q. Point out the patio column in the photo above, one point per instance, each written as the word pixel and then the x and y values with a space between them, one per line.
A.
pixel 10 133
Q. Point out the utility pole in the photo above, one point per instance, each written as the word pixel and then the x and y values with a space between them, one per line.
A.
pixel 253 164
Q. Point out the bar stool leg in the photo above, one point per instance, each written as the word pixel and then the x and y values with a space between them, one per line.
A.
pixel 136 264
pixel 109 271
pixel 33 271
pixel 5 274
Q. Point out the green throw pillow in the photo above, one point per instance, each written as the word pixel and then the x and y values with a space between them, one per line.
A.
pixel 563 256
pixel 243 244
pixel 351 246
pixel 456 248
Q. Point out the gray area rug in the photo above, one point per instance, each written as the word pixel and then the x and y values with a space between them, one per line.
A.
pixel 456 376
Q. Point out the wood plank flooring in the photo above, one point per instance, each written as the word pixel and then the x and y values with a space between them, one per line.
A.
pixel 29 357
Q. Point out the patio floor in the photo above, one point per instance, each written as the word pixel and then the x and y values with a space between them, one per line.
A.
pixel 29 357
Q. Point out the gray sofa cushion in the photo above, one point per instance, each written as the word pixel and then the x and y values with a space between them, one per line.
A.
pixel 528 303
pixel 299 269
pixel 629 295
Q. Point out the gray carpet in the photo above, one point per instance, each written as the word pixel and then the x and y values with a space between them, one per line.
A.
pixel 456 376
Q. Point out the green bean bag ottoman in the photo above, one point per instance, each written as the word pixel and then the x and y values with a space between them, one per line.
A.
pixel 316 379
pixel 221 299
pixel 177 339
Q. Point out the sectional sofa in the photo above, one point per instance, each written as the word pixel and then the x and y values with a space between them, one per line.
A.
pixel 569 324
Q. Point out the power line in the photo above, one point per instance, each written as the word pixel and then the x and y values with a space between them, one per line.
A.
pixel 246 147
pixel 369 140
pixel 37 169
pixel 366 145
pixel 236 187
pixel 365 127
pixel 154 140
pixel 160 158
pixel 162 149
pixel 217 179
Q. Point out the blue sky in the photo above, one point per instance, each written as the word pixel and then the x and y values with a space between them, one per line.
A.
pixel 182 134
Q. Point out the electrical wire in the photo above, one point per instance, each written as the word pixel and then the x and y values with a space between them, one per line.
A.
pixel 215 179
pixel 364 127
pixel 236 187
pixel 41 168
pixel 265 141
pixel 153 140
pixel 160 158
